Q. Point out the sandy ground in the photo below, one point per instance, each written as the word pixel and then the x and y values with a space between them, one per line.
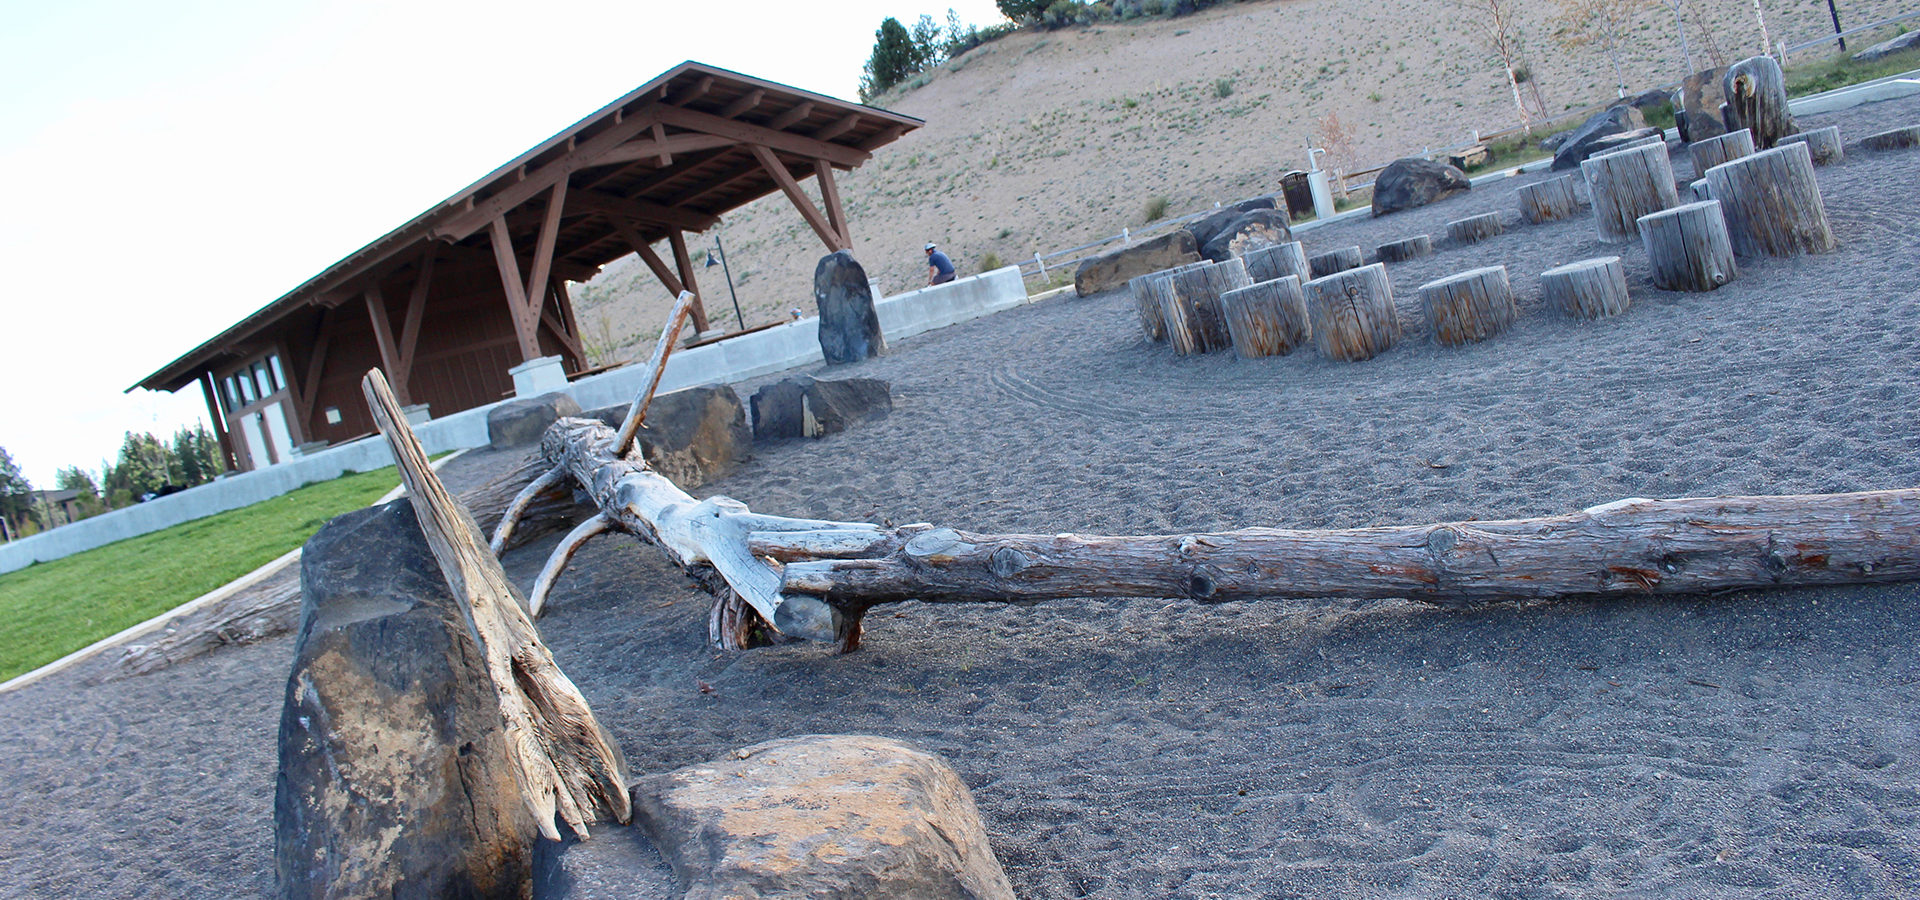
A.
pixel 1750 744
pixel 1044 141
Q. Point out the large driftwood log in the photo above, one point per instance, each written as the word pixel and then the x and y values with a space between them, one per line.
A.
pixel 565 762
pixel 1822 143
pixel 1626 185
pixel 1550 200
pixel 1716 150
pixel 1687 247
pixel 1352 313
pixel 1190 304
pixel 1771 201
pixel 1468 307
pixel 1268 318
pixel 1588 289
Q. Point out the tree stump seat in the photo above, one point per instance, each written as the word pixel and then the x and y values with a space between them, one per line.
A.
pixel 1152 320
pixel 1267 318
pixel 1469 307
pixel 1277 261
pixel 1588 289
pixel 1715 150
pixel 1474 229
pixel 1626 185
pixel 1895 139
pixel 1822 143
pixel 1404 249
pixel 1688 248
pixel 1771 202
pixel 1190 305
pixel 1351 313
pixel 1320 265
pixel 1549 201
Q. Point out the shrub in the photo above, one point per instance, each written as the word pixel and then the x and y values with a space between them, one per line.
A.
pixel 1061 14
pixel 1659 115
pixel 991 261
pixel 1156 209
pixel 1223 88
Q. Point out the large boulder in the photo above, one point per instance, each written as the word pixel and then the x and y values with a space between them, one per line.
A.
pixel 1248 231
pixel 1612 142
pixel 1885 49
pixel 692 436
pixel 1649 99
pixel 1756 92
pixel 821 816
pixel 394 777
pixel 1599 126
pixel 806 407
pixel 1204 228
pixel 1411 183
pixel 1113 270
pixel 1701 97
pixel 520 423
pixel 849 327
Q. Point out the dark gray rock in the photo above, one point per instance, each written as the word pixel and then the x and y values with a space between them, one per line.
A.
pixel 1269 201
pixel 1646 100
pixel 1603 124
pixel 1115 269
pixel 394 777
pixel 1701 97
pixel 805 407
pixel 1205 227
pixel 519 423
pixel 692 436
pixel 1888 48
pixel 849 327
pixel 821 816
pixel 620 863
pixel 1555 140
pixel 1411 183
pixel 1248 231
pixel 1613 142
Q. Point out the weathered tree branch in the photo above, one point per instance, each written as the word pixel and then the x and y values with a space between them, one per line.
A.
pixel 564 761
pixel 571 544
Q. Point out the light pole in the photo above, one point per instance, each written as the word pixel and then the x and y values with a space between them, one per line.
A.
pixel 720 251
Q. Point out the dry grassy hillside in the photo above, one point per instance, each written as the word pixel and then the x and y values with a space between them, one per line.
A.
pixel 1044 140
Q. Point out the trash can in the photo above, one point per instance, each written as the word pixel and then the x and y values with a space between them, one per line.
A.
pixel 1298 193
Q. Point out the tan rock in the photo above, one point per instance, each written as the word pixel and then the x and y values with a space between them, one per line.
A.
pixel 1113 270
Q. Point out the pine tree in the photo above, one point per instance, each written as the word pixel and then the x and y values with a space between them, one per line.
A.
pixel 16 493
pixel 892 60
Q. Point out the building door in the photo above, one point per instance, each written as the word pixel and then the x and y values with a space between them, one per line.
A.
pixel 256 396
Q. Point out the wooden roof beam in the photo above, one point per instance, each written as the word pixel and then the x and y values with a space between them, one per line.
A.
pixel 752 99
pixel 837 129
pixel 652 213
pixel 786 119
pixel 648 148
pixel 465 223
pixel 821 226
pixel 783 141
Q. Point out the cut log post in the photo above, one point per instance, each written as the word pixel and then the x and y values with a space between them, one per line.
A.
pixel 1352 313
pixel 1700 190
pixel 1469 307
pixel 1896 139
pixel 1474 229
pixel 1756 92
pixel 1627 185
pixel 1320 265
pixel 1716 150
pixel 1771 202
pixel 1688 248
pixel 1152 323
pixel 1404 249
pixel 1278 261
pixel 1190 304
pixel 565 762
pixel 1268 318
pixel 1550 200
pixel 1822 143
pixel 1588 289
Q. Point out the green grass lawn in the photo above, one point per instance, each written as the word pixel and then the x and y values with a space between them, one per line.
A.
pixel 1839 71
pixel 50 609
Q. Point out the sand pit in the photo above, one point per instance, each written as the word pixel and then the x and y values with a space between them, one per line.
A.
pixel 1752 744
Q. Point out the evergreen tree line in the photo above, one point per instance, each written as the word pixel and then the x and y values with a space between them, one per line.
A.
pixel 899 54
pixel 147 466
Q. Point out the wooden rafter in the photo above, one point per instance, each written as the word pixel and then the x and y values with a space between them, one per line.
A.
pixel 536 292
pixel 654 148
pixel 308 390
pixel 684 262
pixel 664 155
pixel 746 102
pixel 383 338
pixel 693 92
pixel 516 290
pixel 787 119
pixel 416 311
pixel 844 125
pixel 585 153
pixel 830 192
pixel 784 141
pixel 646 254
pixel 651 213
pixel 801 202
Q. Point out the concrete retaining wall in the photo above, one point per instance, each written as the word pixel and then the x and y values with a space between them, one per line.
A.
pixel 777 349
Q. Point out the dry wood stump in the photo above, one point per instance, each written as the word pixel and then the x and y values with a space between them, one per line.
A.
pixel 1626 185
pixel 1716 150
pixel 1190 305
pixel 1474 229
pixel 1897 139
pixel 1701 190
pixel 1772 204
pixel 1278 261
pixel 1147 303
pixel 1468 307
pixel 1402 250
pixel 1352 313
pixel 1268 318
pixel 1549 201
pixel 1822 143
pixel 1588 289
pixel 1320 265
pixel 1688 248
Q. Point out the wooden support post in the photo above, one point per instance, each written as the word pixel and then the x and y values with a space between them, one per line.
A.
pixel 1352 313
pixel 383 338
pixel 1268 318
pixel 1320 265
pixel 798 198
pixel 1716 150
pixel 212 391
pixel 830 194
pixel 514 287
pixel 684 263
pixel 1588 289
pixel 1468 307
pixel 1688 248
pixel 1549 201
pixel 1278 261
pixel 1626 185
pixel 308 390
pixel 1823 143
pixel 535 295
pixel 1405 249
pixel 1772 204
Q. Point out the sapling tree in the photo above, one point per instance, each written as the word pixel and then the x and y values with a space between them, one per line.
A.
pixel 1494 25
pixel 1605 22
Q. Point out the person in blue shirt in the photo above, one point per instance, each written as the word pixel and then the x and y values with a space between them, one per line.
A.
pixel 939 267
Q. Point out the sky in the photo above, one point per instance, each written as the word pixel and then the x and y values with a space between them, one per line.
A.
pixel 180 165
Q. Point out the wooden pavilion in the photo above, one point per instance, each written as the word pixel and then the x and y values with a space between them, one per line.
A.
pixel 447 303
